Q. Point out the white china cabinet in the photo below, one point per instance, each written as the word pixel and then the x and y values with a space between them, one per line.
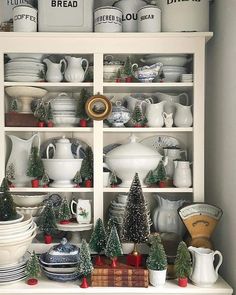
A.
pixel 96 46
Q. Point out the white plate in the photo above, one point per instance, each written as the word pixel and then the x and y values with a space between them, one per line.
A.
pixel 23 79
pixel 161 141
pixel 17 265
pixel 12 282
pixel 37 56
pixel 23 59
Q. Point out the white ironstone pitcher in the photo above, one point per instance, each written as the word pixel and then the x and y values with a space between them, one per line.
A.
pixel 74 71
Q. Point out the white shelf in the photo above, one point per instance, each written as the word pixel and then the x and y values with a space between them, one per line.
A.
pixel 50 190
pixel 148 190
pixel 147 130
pixel 48 129
pixel 145 87
pixel 50 287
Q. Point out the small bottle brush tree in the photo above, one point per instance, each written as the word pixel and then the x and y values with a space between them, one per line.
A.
pixel 113 247
pixel 136 222
pixel 98 240
pixel 111 221
pixel 49 117
pixel 41 113
pixel 7 207
pixel 118 76
pixel 33 269
pixel 13 107
pixel 45 179
pixel 183 264
pixel 35 166
pixel 10 174
pixel 138 119
pixel 77 179
pixel 64 214
pixel 128 69
pixel 150 179
pixel 47 223
pixel 156 260
pixel 86 170
pixel 85 266
pixel 80 111
pixel 160 173
pixel 113 179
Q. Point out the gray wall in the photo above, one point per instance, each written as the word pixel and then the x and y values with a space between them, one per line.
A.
pixel 221 130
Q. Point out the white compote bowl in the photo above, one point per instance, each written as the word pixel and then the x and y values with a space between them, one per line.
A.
pixel 25 95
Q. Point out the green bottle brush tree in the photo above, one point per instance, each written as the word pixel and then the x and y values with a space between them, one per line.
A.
pixel 113 247
pixel 7 207
pixel 33 269
pixel 35 166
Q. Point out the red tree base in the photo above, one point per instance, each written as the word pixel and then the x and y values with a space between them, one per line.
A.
pixel 77 185
pixel 50 124
pixel 32 282
pixel 41 124
pixel 162 184
pixel 114 262
pixel 113 185
pixel 64 221
pixel 35 183
pixel 47 239
pixel 98 261
pixel 83 123
pixel 118 80
pixel 183 282
pixel 128 79
pixel 84 283
pixel 138 126
pixel 45 185
pixel 134 260
pixel 88 183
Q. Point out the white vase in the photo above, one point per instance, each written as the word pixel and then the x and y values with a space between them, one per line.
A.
pixel 157 278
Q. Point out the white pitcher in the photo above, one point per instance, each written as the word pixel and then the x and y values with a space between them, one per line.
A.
pixel 74 71
pixel 182 175
pixel 133 99
pixel 173 154
pixel 154 114
pixel 183 116
pixel 166 218
pixel 19 157
pixel 54 70
pixel 82 212
pixel 171 99
pixel 203 272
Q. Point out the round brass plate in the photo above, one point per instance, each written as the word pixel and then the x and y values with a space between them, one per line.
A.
pixel 98 107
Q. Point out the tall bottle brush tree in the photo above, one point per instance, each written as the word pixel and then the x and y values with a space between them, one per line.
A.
pixel 183 264
pixel 136 222
pixel 7 207
pixel 113 247
pixel 98 240
pixel 81 111
pixel 47 223
pixel 35 166
pixel 33 269
pixel 85 266
pixel 86 170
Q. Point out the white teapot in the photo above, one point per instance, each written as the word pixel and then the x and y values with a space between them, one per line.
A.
pixel 62 149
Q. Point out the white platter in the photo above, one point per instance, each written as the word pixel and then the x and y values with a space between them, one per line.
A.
pixel 22 64
pixel 23 59
pixel 160 141
pixel 19 91
pixel 23 79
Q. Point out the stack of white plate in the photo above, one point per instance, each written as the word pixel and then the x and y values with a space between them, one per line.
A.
pixel 172 73
pixel 24 68
pixel 117 210
pixel 15 272
pixel 15 238
pixel 187 78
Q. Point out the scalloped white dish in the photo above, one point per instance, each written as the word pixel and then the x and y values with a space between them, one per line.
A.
pixel 161 141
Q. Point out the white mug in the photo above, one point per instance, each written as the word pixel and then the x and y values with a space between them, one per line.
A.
pixel 25 18
pixel 149 19
pixel 82 212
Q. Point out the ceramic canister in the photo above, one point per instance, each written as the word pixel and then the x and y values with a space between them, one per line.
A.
pixel 108 19
pixel 25 18
pixel 149 19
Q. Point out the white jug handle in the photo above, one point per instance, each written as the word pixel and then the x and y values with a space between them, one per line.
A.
pixel 132 67
pixel 185 95
pixel 149 100
pixel 164 114
pixel 87 65
pixel 71 206
pixel 38 137
pixel 220 260
pixel 48 147
pixel 77 151
pixel 63 62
